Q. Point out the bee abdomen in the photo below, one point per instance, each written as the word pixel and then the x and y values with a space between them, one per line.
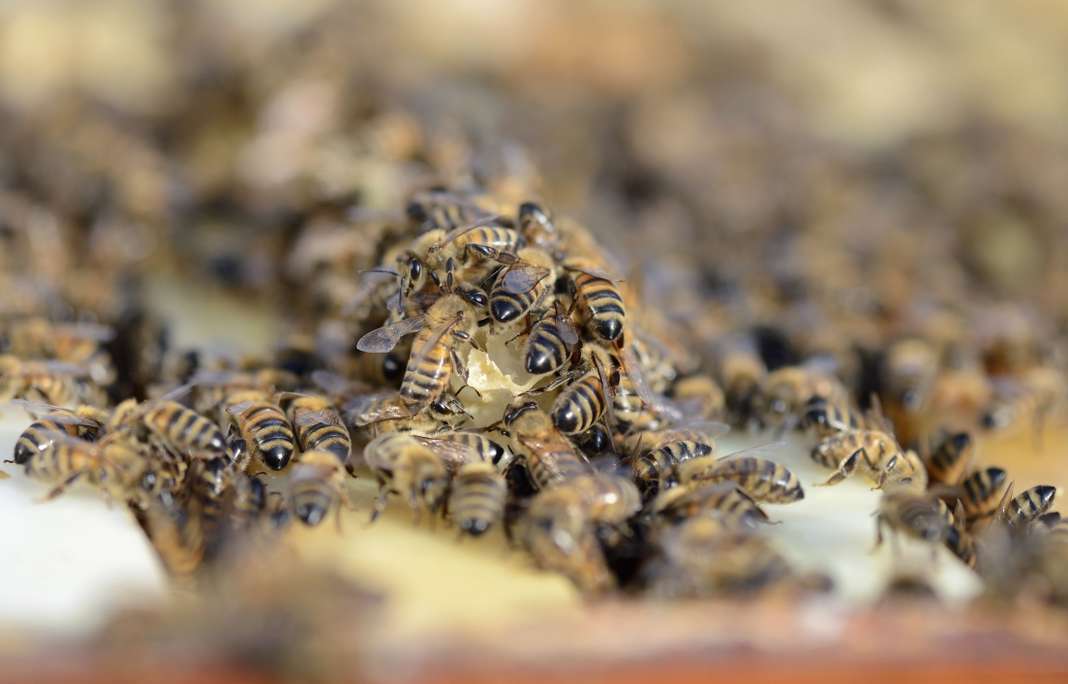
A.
pixel 478 498
pixel 579 407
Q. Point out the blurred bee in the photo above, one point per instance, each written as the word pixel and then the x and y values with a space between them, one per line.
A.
pixel 550 342
pixel 909 372
pixel 78 344
pixel 382 412
pixel 525 285
pixel 444 210
pixel 920 516
pixel 686 501
pixel 762 479
pixel 263 427
pixel 874 450
pixel 959 540
pixel 785 392
pixel 435 356
pixel 317 424
pixel 84 422
pixel 710 554
pixel 1028 506
pixel 549 456
pixel 50 382
pixel 699 396
pixel 608 499
pixel 458 447
pixel 409 468
pixel 538 229
pixel 109 465
pixel 597 299
pixel 1032 396
pixel 561 540
pixel 824 418
pixel 209 483
pixel 982 492
pixel 741 372
pixel 950 459
pixel 177 535
pixel 317 486
pixel 383 370
pixel 478 496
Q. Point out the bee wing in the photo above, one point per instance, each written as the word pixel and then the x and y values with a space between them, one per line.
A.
pixel 593 272
pixel 373 408
pixel 463 230
pixel 522 278
pixel 330 382
pixel 327 416
pixel 632 367
pixel 68 440
pixel 238 408
pixel 89 331
pixel 384 339
pixel 568 333
pixel 710 428
pixel 178 393
pixel 452 452
pixel 36 408
pixel 758 450
pixel 64 368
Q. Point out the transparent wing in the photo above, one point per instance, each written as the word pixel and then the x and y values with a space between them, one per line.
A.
pixel 384 339
pixel 522 278
pixel 454 453
pixel 373 408
pixel 568 333
pixel 238 408
pixel 757 450
pixel 327 416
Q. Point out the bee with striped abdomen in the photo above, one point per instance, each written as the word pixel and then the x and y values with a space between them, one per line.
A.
pixel 686 501
pixel 110 465
pixel 982 493
pixel 84 422
pixel 920 516
pixel 549 456
pixel 317 486
pixel 582 403
pixel 1028 506
pixel 478 496
pixel 950 459
pixel 550 342
pixel 409 468
pixel 761 478
pixel 524 285
pixel 263 426
pixel 597 299
pixel 317 424
pixel 825 418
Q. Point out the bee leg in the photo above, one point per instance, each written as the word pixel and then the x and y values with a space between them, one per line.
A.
pixel 380 502
pixel 60 488
pixel 845 469
pixel 879 522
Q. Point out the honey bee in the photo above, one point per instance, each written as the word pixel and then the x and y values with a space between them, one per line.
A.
pixel 656 456
pixel 444 210
pixel 173 424
pixel 435 356
pixel 317 424
pixel 609 499
pixel 409 468
pixel 741 372
pixel 686 501
pixel 209 482
pixel 597 299
pixel 84 422
pixel 570 548
pixel 1033 396
pixel 177 535
pixel 762 479
pixel 470 254
pixel 549 456
pixel 948 462
pixel 108 465
pixel 458 447
pixel 700 396
pixel 1028 506
pixel 785 392
pixel 538 229
pixel 263 427
pixel 550 342
pixel 909 372
pixel 959 540
pixel 920 516
pixel 825 418
pixel 317 486
pixel 524 286
pixel 478 497
pixel 49 382
pixel 710 554
pixel 78 344
pixel 875 450
pixel 582 403
pixel 981 493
